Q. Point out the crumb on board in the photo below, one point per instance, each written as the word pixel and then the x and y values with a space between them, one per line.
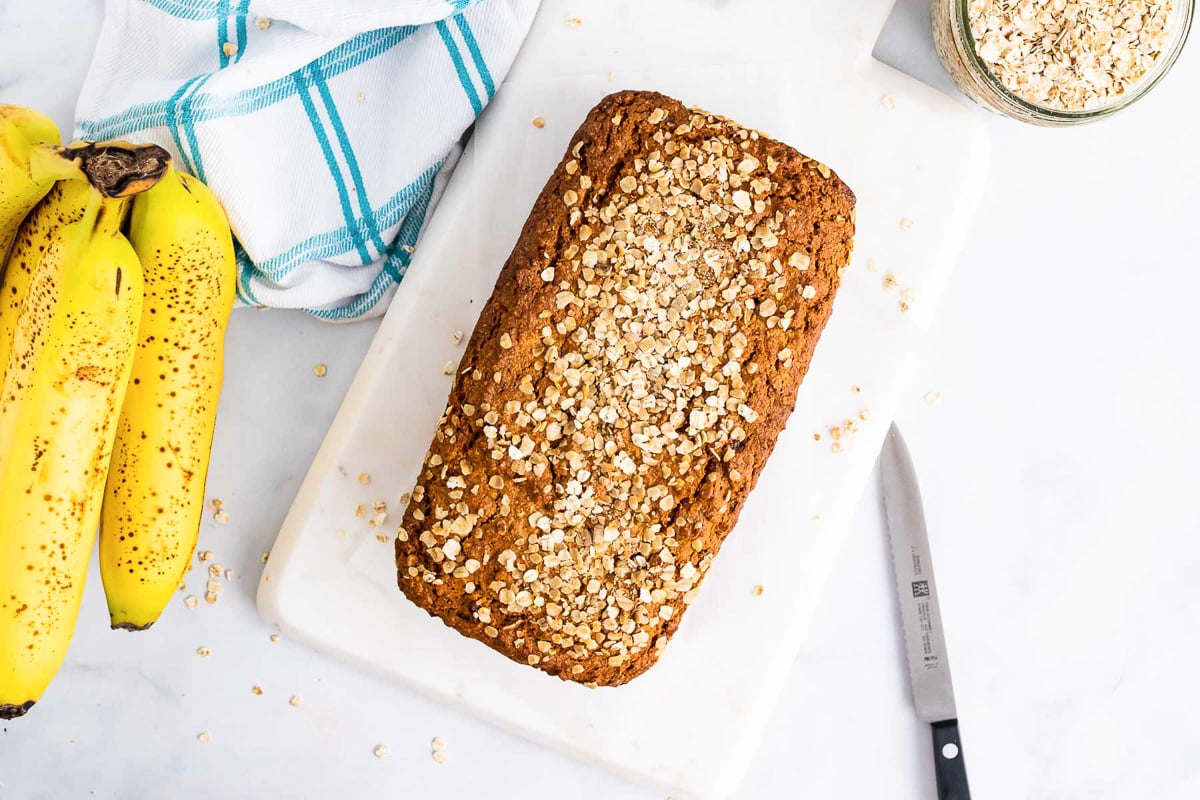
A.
pixel 256 690
pixel 262 23
pixel 539 122
pixel 203 652
pixel 932 398
pixel 320 370
pixel 266 555
pixel 381 751
pixel 230 49
pixel 191 601
pixel 889 102
pixel 364 478
pixel 574 21
pixel 204 736
pixel 906 224
pixel 204 555
pixel 274 637
pixel 448 368
pixel 294 701
pixel 456 337
pixel 758 590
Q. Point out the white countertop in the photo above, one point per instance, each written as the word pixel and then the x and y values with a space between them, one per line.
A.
pixel 1058 472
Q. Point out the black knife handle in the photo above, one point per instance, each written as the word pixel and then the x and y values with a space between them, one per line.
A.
pixel 948 762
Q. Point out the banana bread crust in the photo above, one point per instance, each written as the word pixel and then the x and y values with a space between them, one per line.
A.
pixel 624 387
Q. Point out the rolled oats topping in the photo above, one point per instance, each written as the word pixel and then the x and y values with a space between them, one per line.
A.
pixel 1070 55
pixel 569 494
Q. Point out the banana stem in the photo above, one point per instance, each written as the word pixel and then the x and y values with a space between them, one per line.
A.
pixel 118 169
pixel 50 162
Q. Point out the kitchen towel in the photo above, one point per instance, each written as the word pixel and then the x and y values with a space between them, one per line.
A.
pixel 322 127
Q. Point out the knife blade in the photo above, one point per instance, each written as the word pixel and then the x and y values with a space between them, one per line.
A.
pixel 920 617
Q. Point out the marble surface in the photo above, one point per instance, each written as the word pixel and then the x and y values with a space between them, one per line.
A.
pixel 1058 470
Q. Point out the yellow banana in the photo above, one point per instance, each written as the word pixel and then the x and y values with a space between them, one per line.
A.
pixel 63 387
pixel 116 170
pixel 30 162
pixel 155 493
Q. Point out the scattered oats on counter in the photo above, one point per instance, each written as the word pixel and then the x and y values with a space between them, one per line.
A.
pixel 320 370
pixel 1070 55
pixel 382 751
pixel 204 736
pixel 256 690
pixel 932 398
pixel 274 637
pixel 906 224
pixel 264 557
pixel 210 598
pixel 364 478
pixel 204 555
pixel 539 122
pixel 889 102
pixel 448 368
pixel 872 265
pixel 262 23
pixel 191 601
pixel 294 701
pixel 841 433
pixel 438 750
pixel 203 652
pixel 574 22
pixel 360 98
pixel 758 590
pixel 230 49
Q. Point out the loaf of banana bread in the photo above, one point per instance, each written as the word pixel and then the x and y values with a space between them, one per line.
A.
pixel 624 387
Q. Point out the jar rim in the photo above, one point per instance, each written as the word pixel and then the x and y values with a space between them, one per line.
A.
pixel 1160 70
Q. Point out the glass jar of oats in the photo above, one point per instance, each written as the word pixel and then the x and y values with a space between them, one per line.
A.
pixel 1059 62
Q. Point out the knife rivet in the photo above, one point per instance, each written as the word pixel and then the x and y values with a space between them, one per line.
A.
pixel 950 750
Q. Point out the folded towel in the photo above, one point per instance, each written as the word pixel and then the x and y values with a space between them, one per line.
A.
pixel 322 127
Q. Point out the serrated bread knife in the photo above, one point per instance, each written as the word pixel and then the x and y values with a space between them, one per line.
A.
pixel 925 645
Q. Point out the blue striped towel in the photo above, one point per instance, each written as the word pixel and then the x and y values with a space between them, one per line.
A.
pixel 323 127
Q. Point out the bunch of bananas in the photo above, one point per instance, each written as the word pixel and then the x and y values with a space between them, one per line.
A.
pixel 117 279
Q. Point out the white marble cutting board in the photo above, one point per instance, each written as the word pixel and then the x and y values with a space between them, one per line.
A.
pixel 691 725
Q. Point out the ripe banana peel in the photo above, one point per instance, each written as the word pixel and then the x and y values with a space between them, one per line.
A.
pixel 31 160
pixel 64 381
pixel 155 493
pixel 29 168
